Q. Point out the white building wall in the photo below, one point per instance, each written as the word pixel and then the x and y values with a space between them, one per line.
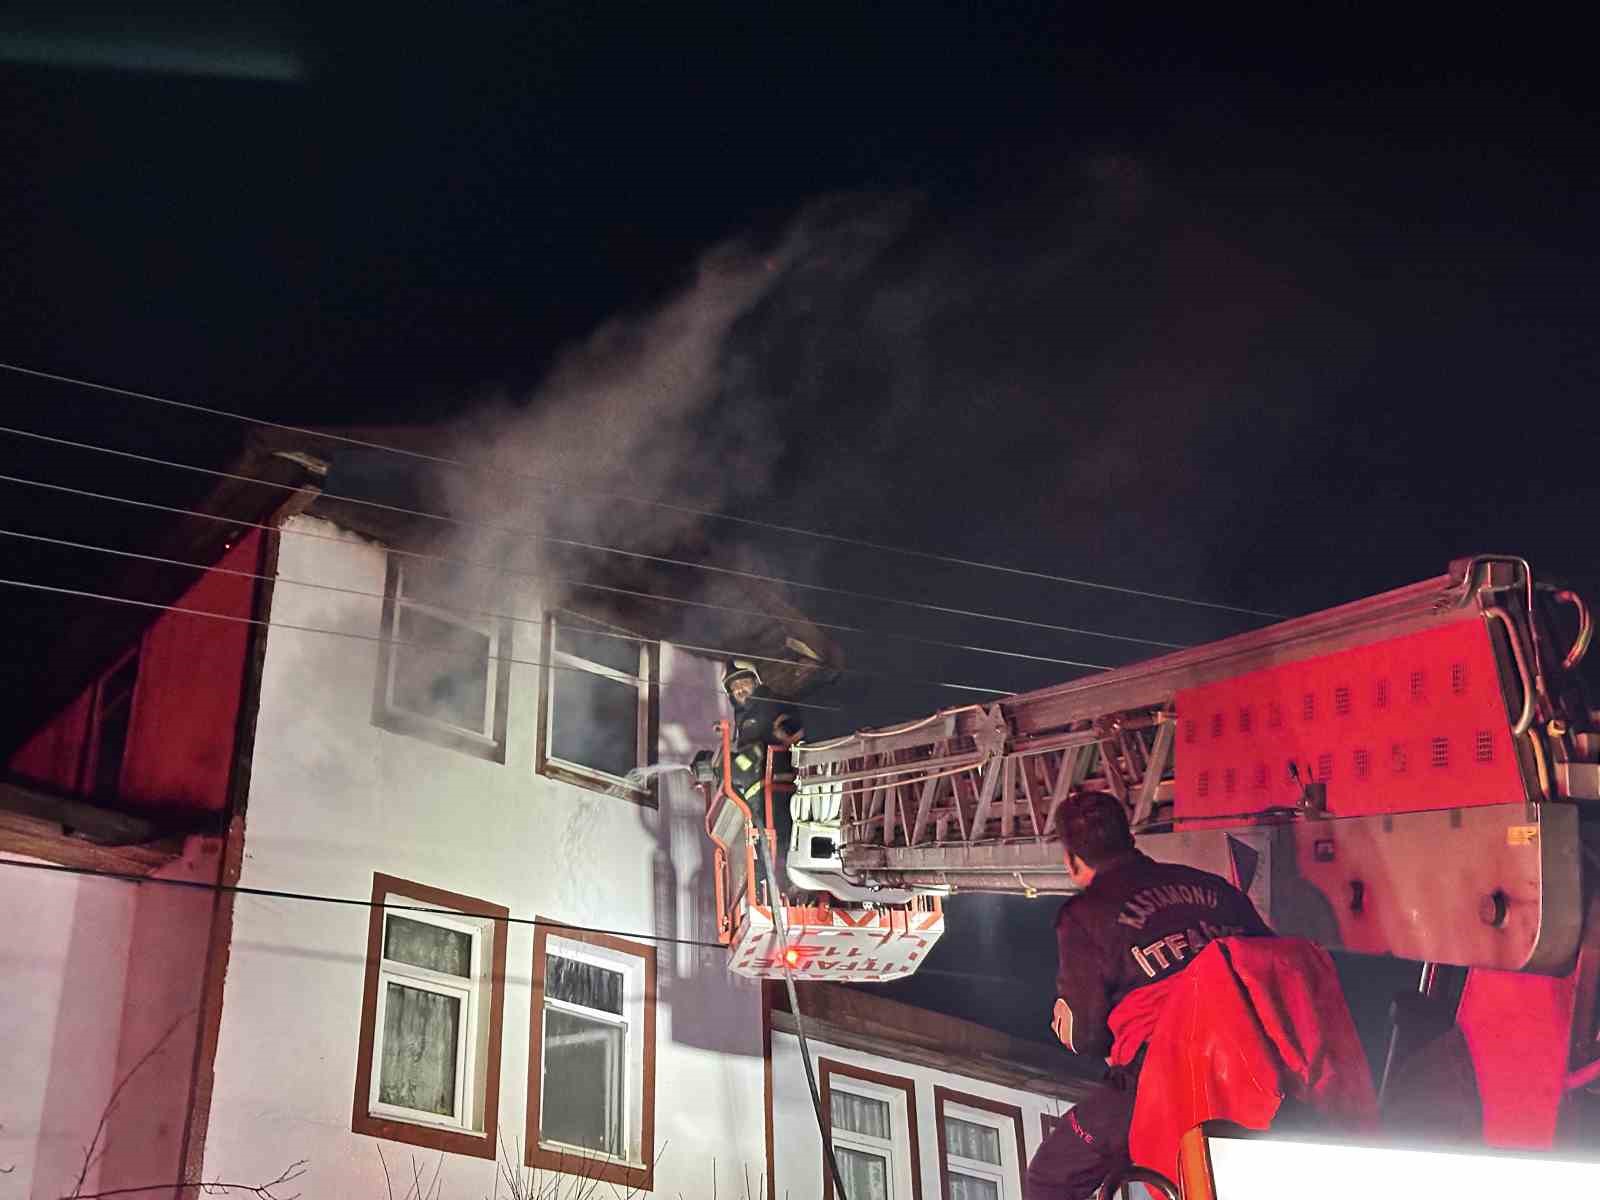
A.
pixel 798 1144
pixel 334 798
pixel 63 970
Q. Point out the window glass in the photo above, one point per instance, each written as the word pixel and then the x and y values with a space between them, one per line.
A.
pixel 594 721
pixel 584 1086
pixel 441 669
pixel 421 1031
pixel 866 1175
pixel 865 1115
pixel 968 1139
pixel 432 947
pixel 583 983
pixel 972 1187
pixel 585 641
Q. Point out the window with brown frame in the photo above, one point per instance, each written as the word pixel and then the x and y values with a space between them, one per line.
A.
pixel 444 661
pixel 592 1057
pixel 981 1149
pixel 599 706
pixel 432 1012
pixel 873 1129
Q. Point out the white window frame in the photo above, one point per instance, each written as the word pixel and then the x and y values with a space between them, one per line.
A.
pixel 1001 1173
pixel 644 681
pixel 896 1148
pixel 632 969
pixel 471 991
pixel 486 626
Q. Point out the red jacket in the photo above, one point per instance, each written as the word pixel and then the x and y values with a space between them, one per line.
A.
pixel 1250 1022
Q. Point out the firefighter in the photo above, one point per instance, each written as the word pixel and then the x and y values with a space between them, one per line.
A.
pixel 1133 928
pixel 760 721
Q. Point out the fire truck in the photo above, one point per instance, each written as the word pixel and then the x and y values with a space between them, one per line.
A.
pixel 1415 775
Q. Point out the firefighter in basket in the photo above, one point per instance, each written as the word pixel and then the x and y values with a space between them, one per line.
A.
pixel 761 721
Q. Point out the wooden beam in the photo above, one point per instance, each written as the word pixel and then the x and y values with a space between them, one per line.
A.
pixel 35 837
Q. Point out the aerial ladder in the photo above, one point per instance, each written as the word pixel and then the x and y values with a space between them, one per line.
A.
pixel 1415 775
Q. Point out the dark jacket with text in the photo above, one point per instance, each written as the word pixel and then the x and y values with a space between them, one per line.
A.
pixel 1137 923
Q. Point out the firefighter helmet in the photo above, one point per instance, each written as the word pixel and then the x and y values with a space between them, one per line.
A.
pixel 739 668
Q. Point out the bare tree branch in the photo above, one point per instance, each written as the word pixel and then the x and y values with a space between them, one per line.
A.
pixel 116 1094
pixel 262 1191
pixel 387 1183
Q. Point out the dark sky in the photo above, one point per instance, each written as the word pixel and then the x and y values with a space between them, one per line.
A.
pixel 1274 317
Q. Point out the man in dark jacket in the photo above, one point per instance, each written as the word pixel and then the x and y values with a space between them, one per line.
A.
pixel 1136 925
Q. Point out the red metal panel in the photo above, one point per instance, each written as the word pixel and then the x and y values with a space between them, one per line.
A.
pixel 1406 724
pixel 56 755
pixel 180 746
pixel 1518 1029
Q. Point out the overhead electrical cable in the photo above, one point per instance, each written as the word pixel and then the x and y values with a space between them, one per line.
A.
pixel 656 597
pixel 573 543
pixel 706 514
pixel 85 594
pixel 723 651
pixel 350 901
pixel 355 902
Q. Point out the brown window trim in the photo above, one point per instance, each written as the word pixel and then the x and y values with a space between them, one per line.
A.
pixel 409 724
pixel 649 729
pixel 478 1145
pixel 827 1068
pixel 943 1096
pixel 592 1168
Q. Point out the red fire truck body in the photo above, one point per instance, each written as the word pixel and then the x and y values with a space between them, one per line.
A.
pixel 1414 775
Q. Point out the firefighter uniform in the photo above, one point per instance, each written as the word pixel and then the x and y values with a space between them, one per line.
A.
pixel 1138 923
pixel 759 722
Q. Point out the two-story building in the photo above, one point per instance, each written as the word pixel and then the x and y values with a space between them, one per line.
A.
pixel 352 856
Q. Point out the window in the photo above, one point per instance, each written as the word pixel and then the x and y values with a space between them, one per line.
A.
pixel 431 1018
pixel 862 1143
pixel 873 1128
pixel 591 1102
pixel 600 705
pixel 443 663
pixel 972 1153
pixel 981 1154
pixel 113 718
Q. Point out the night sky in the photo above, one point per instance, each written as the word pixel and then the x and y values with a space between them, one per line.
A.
pixel 1271 318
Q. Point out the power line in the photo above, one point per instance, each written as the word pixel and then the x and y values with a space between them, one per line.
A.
pixel 349 901
pixel 577 583
pixel 81 593
pixel 353 902
pixel 527 534
pixel 723 651
pixel 460 464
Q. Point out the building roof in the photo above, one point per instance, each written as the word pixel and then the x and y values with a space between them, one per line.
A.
pixel 858 1019
pixel 365 490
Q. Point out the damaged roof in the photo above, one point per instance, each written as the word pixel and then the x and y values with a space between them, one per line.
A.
pixel 389 497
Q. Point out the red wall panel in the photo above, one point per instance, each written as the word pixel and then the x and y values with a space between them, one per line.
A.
pixel 191 673
pixel 185 704
pixel 57 755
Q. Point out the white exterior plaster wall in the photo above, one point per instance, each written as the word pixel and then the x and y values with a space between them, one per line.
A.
pixel 798 1146
pixel 334 798
pixel 63 971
